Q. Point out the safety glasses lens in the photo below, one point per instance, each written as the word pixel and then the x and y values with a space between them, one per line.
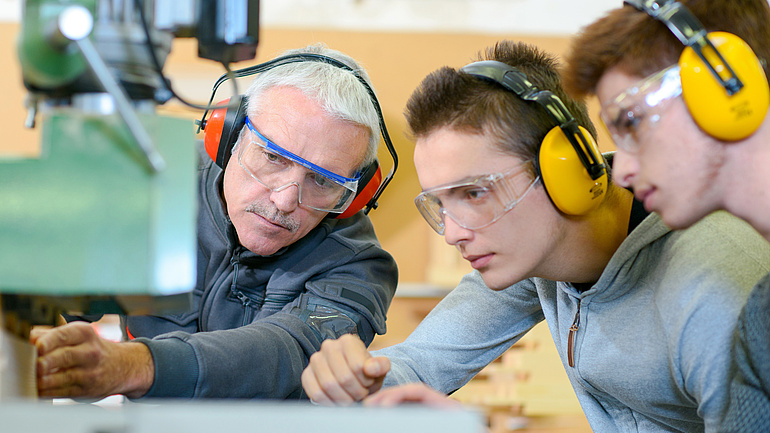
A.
pixel 632 113
pixel 473 204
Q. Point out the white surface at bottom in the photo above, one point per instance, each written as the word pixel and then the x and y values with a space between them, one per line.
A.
pixel 232 416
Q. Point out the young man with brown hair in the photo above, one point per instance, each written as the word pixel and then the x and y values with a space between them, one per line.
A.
pixel 691 140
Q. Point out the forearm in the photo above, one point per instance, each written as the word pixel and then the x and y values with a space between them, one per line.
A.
pixel 452 344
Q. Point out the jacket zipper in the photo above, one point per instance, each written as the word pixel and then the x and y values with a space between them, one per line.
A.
pixel 234 260
pixel 573 336
pixel 245 300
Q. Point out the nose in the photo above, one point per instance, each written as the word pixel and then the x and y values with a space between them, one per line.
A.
pixel 455 233
pixel 624 168
pixel 286 197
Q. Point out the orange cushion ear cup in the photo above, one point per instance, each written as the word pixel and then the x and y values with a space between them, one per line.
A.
pixel 223 127
pixel 213 130
pixel 368 185
pixel 565 178
pixel 721 115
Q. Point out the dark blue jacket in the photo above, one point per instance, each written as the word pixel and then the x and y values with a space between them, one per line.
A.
pixel 255 319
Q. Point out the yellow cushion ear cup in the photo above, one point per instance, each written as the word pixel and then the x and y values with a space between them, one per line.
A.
pixel 723 116
pixel 566 180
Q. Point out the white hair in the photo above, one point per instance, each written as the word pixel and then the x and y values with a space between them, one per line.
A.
pixel 337 90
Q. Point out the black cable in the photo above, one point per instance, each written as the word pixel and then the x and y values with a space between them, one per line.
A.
pixel 165 82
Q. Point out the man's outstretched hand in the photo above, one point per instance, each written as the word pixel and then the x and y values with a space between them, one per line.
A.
pixel 73 361
pixel 343 372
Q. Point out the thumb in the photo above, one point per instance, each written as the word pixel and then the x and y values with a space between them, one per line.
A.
pixel 377 366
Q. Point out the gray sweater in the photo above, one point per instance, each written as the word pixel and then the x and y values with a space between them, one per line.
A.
pixel 653 348
pixel 255 319
pixel 750 390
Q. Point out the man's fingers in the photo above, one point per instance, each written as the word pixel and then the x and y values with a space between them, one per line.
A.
pixel 36 332
pixel 330 371
pixel 376 367
pixel 347 365
pixel 68 357
pixel 394 396
pixel 321 385
pixel 313 389
pixel 72 383
pixel 328 395
pixel 336 372
pixel 56 383
pixel 411 393
pixel 68 335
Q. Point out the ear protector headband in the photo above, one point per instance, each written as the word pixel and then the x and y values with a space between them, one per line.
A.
pixel 723 83
pixel 573 171
pixel 222 128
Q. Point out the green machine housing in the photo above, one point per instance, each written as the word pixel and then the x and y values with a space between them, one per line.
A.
pixel 88 220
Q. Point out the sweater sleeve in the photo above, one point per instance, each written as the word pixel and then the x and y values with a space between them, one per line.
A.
pixel 468 329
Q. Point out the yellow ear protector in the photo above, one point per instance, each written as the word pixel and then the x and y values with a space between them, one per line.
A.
pixel 573 170
pixel 723 83
pixel 222 127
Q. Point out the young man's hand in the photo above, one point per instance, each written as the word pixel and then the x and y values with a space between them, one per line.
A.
pixel 343 372
pixel 73 361
pixel 411 393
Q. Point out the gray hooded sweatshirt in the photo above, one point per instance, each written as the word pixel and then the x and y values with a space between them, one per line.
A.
pixel 652 351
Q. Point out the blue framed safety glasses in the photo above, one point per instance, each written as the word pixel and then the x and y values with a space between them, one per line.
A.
pixel 277 169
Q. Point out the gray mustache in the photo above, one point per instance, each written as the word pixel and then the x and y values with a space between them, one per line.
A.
pixel 275 216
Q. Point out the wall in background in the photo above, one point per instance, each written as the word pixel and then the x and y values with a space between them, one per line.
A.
pixel 485 16
pixel 534 17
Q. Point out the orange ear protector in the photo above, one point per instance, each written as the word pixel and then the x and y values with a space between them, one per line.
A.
pixel 573 170
pixel 222 127
pixel 723 83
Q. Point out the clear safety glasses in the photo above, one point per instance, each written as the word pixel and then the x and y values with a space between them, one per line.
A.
pixel 277 169
pixel 635 111
pixel 474 203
